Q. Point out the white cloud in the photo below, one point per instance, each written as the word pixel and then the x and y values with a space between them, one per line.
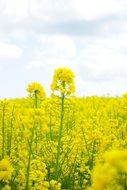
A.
pixel 72 9
pixel 55 51
pixel 100 59
pixel 105 56
pixel 54 10
pixel 34 65
pixel 20 34
pixel 51 63
pixel 57 45
pixel 9 50
pixel 16 10
pixel 91 10
pixel 112 88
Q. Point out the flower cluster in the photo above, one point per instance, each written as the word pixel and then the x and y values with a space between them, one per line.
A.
pixel 111 174
pixel 35 88
pixel 5 170
pixel 63 81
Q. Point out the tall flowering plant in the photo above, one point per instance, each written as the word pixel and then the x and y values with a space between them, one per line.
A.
pixel 63 84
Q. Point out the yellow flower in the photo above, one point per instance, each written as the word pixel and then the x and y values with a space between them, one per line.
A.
pixel 63 81
pixel 103 175
pixel 37 88
pixel 5 170
pixel 118 159
pixel 112 173
pixel 7 187
pixel 55 185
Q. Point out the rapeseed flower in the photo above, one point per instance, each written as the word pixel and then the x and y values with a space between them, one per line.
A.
pixel 5 170
pixel 63 81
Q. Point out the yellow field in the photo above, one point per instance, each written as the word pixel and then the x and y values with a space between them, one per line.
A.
pixel 63 142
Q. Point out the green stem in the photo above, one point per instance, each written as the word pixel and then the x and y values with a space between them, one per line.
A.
pixel 3 131
pixel 36 99
pixel 36 105
pixel 29 159
pixel 10 133
pixel 60 137
pixel 36 142
pixel 9 139
pixel 50 127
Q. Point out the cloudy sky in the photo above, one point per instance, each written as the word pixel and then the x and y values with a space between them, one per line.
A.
pixel 88 36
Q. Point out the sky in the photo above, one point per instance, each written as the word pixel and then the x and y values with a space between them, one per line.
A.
pixel 87 36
